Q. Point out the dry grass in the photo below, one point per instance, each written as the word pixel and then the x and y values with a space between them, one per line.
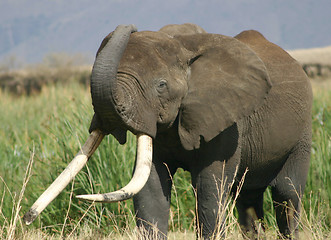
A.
pixel 320 86
pixel 313 55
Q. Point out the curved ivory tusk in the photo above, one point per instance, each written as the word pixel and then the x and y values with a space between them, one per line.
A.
pixel 140 176
pixel 91 144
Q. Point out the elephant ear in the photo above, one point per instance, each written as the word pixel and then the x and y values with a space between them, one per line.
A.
pixel 227 82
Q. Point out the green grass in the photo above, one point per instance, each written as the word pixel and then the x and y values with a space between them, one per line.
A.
pixel 47 130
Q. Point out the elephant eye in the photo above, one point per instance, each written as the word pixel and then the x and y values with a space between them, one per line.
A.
pixel 162 85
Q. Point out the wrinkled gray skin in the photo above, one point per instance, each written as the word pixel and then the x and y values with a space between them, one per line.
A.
pixel 212 103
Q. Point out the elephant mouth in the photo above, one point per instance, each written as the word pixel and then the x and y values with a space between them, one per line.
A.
pixel 139 179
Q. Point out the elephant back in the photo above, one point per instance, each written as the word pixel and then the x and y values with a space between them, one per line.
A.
pixel 286 111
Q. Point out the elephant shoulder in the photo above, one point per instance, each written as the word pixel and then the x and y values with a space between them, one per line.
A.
pixel 182 29
pixel 256 41
pixel 270 53
pixel 250 36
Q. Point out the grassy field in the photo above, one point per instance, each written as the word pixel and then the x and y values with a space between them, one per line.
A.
pixel 40 134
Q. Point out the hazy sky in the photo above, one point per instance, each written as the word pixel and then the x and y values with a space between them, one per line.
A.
pixel 79 25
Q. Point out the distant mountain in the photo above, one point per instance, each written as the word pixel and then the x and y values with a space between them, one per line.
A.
pixel 31 29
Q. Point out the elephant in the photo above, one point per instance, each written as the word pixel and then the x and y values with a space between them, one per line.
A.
pixel 220 107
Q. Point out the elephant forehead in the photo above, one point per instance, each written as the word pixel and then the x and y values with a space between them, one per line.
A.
pixel 144 58
pixel 140 54
pixel 153 45
pixel 142 64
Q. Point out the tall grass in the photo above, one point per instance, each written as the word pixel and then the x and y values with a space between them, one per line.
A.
pixel 317 198
pixel 39 135
pixel 39 123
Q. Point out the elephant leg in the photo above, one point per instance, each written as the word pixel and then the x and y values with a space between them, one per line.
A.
pixel 287 207
pixel 249 205
pixel 212 189
pixel 152 203
pixel 212 177
pixel 288 187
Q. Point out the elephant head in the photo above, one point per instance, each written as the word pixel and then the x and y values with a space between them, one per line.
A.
pixel 149 82
pixel 205 81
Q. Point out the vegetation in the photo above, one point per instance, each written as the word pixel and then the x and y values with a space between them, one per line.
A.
pixel 40 134
pixel 55 68
pixel 315 61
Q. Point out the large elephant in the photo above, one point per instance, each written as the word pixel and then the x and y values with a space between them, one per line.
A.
pixel 210 104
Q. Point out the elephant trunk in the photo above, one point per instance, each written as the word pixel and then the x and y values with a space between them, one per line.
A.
pixel 104 87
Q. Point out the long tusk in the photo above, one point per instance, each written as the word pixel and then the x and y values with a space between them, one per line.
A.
pixel 140 176
pixel 91 144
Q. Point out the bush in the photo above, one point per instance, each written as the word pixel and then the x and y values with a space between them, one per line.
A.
pixel 55 68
